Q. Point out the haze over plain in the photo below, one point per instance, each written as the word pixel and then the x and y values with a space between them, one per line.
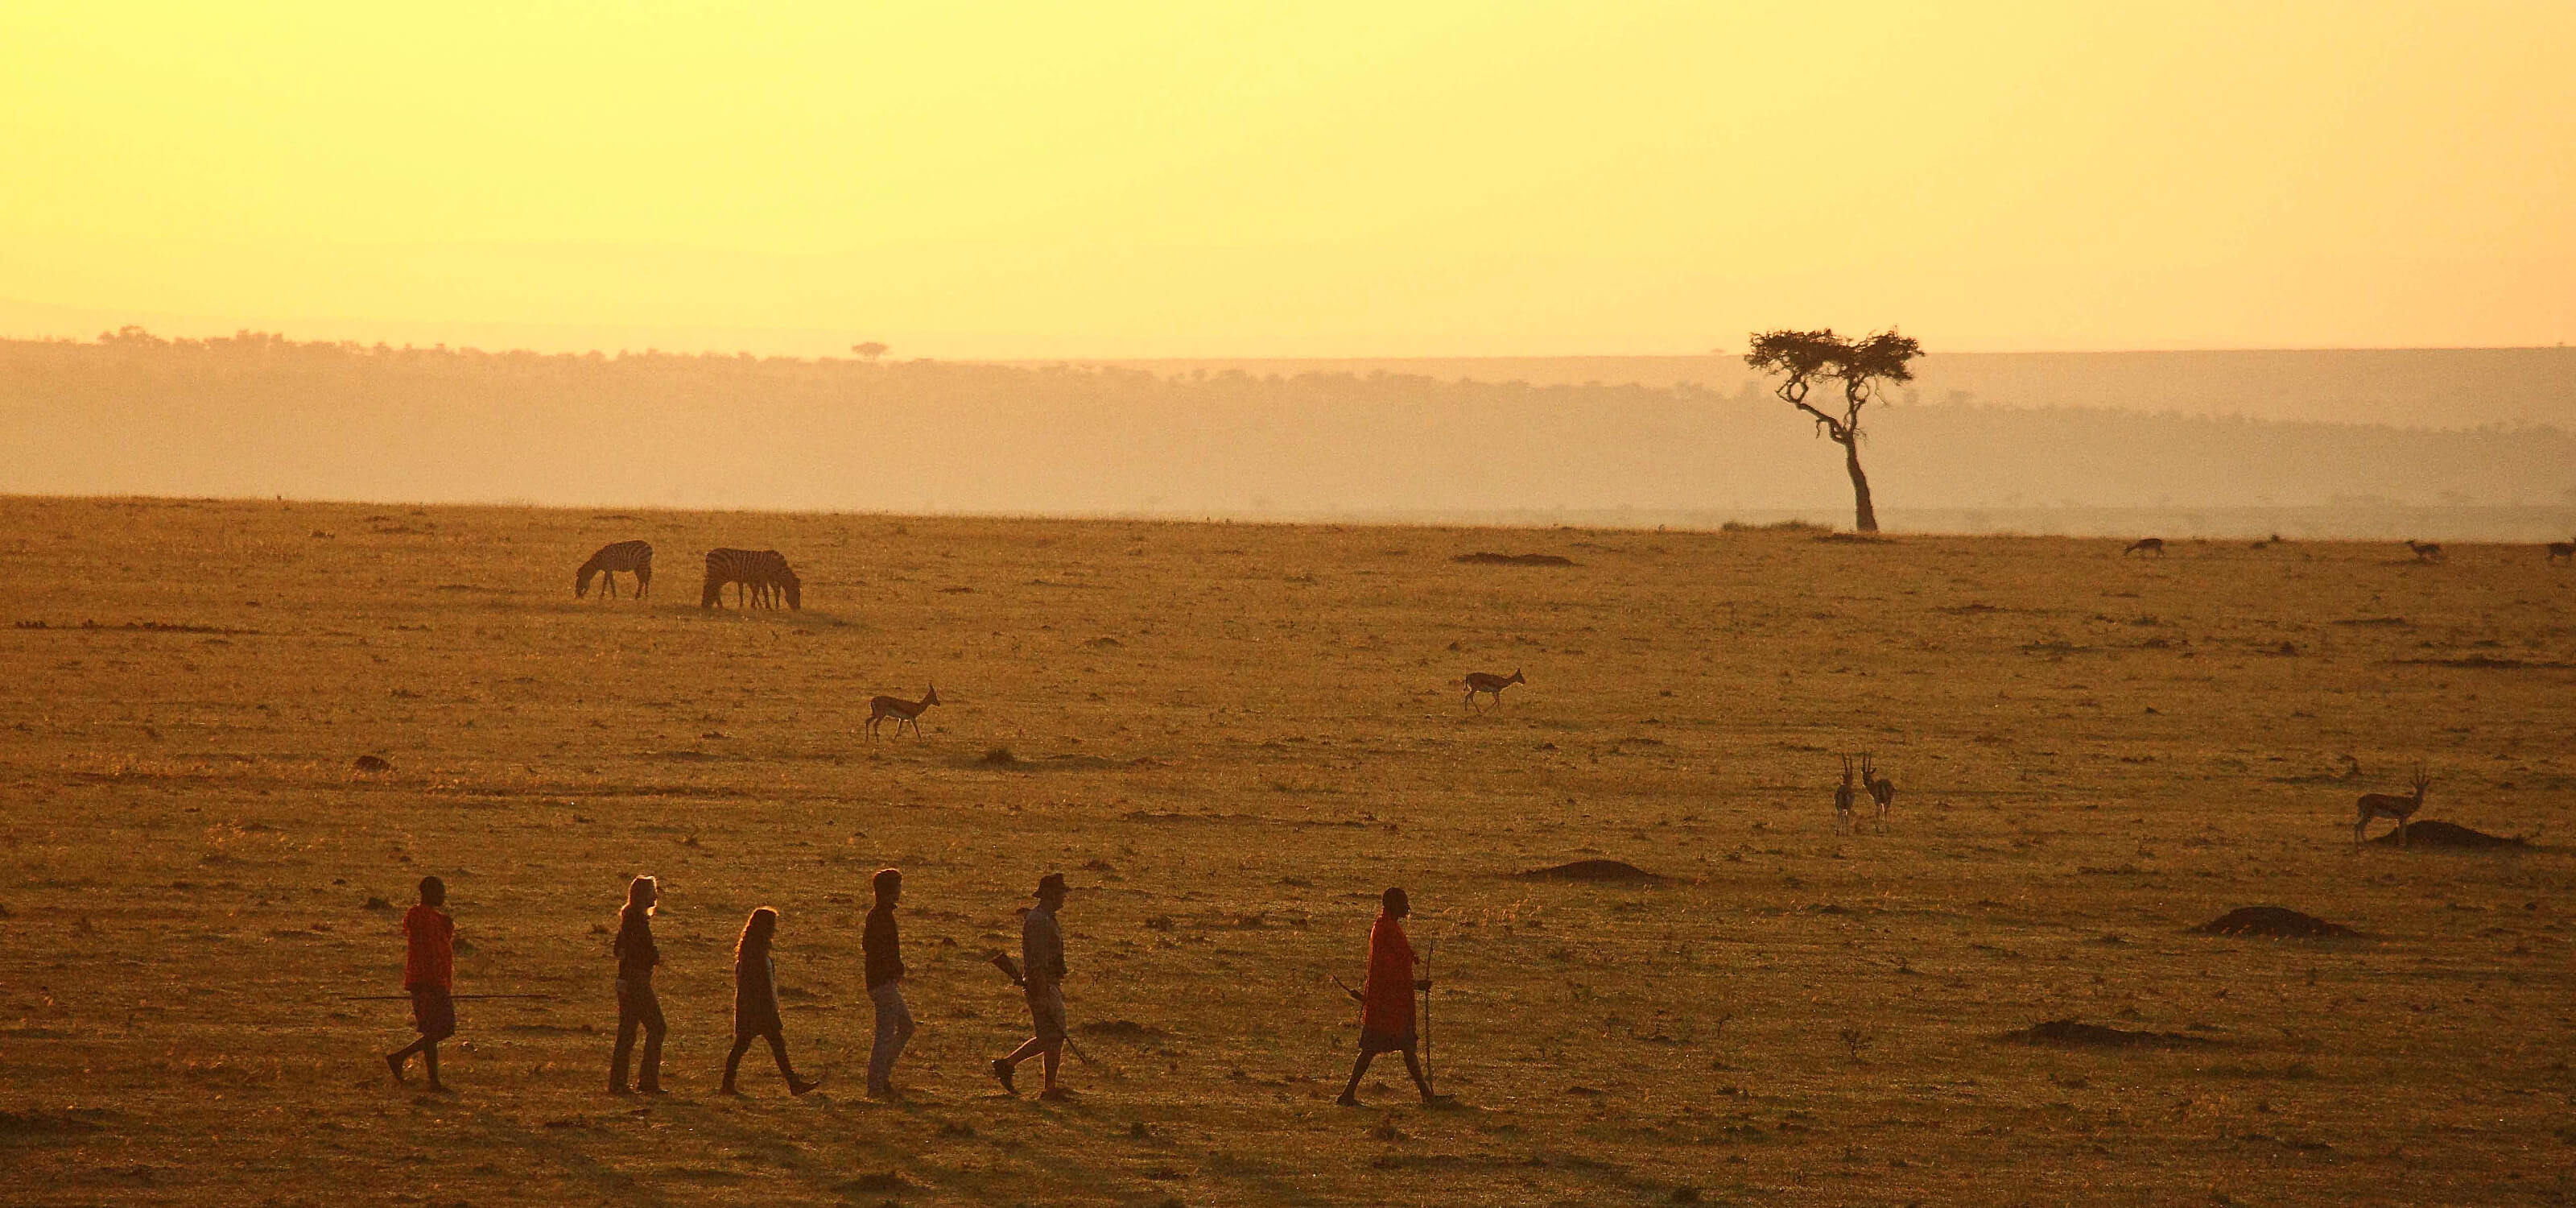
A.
pixel 999 181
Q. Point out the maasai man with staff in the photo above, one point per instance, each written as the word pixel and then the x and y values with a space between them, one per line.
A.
pixel 429 976
pixel 1386 999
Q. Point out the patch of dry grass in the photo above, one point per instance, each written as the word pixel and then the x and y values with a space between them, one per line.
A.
pixel 2092 754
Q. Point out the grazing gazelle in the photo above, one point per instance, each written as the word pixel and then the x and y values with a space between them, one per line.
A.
pixel 2389 805
pixel 1844 797
pixel 901 710
pixel 2562 551
pixel 2145 545
pixel 2427 551
pixel 1492 685
pixel 1882 791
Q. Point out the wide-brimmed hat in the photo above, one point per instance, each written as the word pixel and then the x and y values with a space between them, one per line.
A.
pixel 1054 881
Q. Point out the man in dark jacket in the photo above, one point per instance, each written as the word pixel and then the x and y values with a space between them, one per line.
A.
pixel 884 949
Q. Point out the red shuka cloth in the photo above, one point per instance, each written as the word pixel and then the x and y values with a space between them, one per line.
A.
pixel 1387 1001
pixel 430 964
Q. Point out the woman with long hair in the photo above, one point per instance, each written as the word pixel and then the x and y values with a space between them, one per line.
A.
pixel 636 1006
pixel 755 1002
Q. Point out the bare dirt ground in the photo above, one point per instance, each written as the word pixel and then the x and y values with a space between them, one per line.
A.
pixel 1231 737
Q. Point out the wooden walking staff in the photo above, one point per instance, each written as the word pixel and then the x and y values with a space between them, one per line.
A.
pixel 451 997
pixel 1427 954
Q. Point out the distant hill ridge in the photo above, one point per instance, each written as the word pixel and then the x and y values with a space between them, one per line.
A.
pixel 2403 387
pixel 261 415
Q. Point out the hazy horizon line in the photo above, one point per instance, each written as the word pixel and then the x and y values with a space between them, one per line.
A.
pixel 811 343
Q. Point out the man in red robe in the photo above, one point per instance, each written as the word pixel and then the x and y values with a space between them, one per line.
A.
pixel 429 973
pixel 1386 1002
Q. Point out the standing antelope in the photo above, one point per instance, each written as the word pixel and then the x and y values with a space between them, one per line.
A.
pixel 2562 551
pixel 901 710
pixel 2389 805
pixel 1844 819
pixel 2145 545
pixel 1478 681
pixel 632 557
pixel 1882 791
pixel 2427 551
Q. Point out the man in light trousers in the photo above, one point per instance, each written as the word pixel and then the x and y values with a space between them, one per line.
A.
pixel 884 951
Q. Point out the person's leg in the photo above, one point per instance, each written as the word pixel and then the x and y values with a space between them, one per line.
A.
pixel 435 1013
pixel 778 1050
pixel 1054 1056
pixel 628 1020
pixel 394 1060
pixel 733 1062
pixel 648 1078
pixel 1413 1066
pixel 902 1035
pixel 777 1038
pixel 894 1030
pixel 1359 1069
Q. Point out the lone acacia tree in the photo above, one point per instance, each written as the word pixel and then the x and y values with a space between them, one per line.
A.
pixel 1861 366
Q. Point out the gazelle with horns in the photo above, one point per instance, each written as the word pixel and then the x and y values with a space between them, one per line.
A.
pixel 2389 805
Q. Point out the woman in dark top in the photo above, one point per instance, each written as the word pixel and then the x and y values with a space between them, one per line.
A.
pixel 636 1006
pixel 755 1002
pixel 884 949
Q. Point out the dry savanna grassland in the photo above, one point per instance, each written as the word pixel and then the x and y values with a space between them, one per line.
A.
pixel 1231 737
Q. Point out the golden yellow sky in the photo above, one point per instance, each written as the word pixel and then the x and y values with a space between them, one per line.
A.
pixel 997 180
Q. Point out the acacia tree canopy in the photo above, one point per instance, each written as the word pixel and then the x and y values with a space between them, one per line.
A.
pixel 1803 358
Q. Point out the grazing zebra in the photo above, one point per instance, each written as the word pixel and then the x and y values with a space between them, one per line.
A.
pixel 753 571
pixel 632 557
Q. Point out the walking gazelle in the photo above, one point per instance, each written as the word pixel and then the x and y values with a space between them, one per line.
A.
pixel 2427 551
pixel 630 557
pixel 1487 682
pixel 901 710
pixel 1882 791
pixel 2389 805
pixel 1844 799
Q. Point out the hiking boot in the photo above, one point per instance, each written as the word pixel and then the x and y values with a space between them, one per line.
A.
pixel 1002 1070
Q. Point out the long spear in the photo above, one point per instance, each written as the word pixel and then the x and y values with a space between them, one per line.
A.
pixel 407 998
pixel 1427 954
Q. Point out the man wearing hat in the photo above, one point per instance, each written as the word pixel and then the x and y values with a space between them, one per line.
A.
pixel 1042 967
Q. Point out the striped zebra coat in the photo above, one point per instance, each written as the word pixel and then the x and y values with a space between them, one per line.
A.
pixel 758 573
pixel 632 557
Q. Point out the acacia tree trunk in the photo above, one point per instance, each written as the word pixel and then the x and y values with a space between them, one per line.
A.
pixel 1864 517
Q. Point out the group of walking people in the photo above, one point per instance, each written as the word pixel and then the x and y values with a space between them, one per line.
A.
pixel 1387 1016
